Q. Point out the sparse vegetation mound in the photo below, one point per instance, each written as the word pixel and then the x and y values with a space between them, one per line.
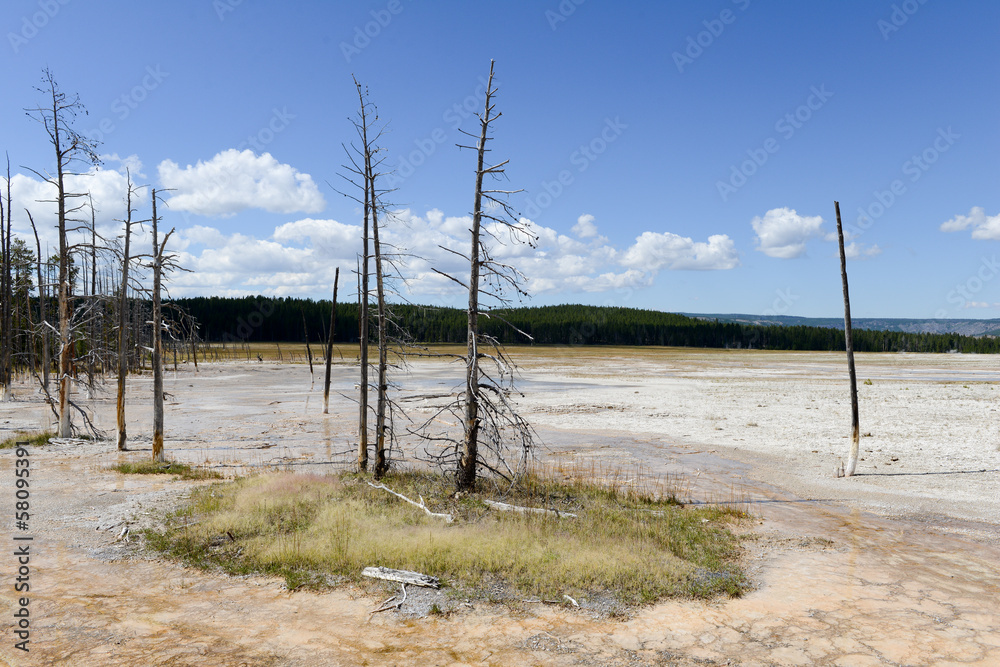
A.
pixel 635 546
pixel 183 470
pixel 35 439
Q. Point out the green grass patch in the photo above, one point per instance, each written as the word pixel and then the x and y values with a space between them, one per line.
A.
pixel 35 439
pixel 632 545
pixel 149 467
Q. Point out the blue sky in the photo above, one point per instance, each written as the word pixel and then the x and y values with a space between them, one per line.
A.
pixel 675 156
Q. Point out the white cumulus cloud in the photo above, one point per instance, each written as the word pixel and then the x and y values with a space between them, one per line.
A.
pixel 783 233
pixel 106 186
pixel 984 227
pixel 585 227
pixel 234 181
pixel 857 250
pixel 653 251
pixel 299 258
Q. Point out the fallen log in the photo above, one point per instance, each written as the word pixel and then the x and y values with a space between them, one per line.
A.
pixel 504 507
pixel 401 576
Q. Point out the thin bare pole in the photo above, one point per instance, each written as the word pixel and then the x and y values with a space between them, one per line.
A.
pixel 329 344
pixel 123 319
pixel 852 461
pixel 309 353
pixel 157 343
pixel 43 295
pixel 364 297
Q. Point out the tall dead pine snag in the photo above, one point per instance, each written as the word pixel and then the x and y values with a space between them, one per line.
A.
pixel 489 417
pixel 852 460
pixel 160 261
pixel 70 147
pixel 364 164
pixel 123 314
pixel 6 294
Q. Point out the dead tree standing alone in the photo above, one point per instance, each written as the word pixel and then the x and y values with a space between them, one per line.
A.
pixel 329 344
pixel 852 461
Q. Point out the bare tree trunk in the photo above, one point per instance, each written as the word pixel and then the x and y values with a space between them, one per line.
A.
pixel 329 345
pixel 381 463
pixel 194 349
pixel 466 477
pixel 123 321
pixel 65 429
pixel 852 461
pixel 42 299
pixel 309 353
pixel 92 344
pixel 7 307
pixel 363 316
pixel 68 145
pixel 157 342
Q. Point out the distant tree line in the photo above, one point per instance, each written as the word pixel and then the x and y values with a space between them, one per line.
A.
pixel 263 319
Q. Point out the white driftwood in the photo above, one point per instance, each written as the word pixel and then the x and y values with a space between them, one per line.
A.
pixel 504 507
pixel 447 517
pixel 390 604
pixel 401 576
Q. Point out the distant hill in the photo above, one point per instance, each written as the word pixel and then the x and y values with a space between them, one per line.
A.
pixel 942 326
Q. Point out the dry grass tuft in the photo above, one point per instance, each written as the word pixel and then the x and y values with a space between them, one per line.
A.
pixel 148 467
pixel 36 438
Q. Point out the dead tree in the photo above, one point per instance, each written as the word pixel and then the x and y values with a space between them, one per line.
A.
pixel 364 297
pixel 123 355
pixel 366 161
pixel 363 169
pixel 309 353
pixel 92 338
pixel 160 261
pixel 381 462
pixel 852 460
pixel 43 297
pixel 491 424
pixel 329 344
pixel 70 147
pixel 6 294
